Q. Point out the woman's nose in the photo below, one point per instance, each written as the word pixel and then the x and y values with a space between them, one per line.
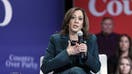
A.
pixel 76 20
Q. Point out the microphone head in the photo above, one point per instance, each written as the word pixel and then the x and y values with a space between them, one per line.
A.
pixel 80 33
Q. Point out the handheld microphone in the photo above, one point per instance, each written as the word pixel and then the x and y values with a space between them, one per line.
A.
pixel 81 40
pixel 80 37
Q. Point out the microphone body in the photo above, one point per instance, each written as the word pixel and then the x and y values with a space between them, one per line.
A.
pixel 81 40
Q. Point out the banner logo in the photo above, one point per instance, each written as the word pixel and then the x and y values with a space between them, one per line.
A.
pixel 8 13
pixel 121 6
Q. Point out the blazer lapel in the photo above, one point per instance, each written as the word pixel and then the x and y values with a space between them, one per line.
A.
pixel 64 41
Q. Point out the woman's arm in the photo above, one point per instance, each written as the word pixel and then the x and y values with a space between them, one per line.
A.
pixel 93 58
pixel 51 60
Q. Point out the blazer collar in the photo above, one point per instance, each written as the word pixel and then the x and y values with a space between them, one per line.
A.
pixel 64 40
pixel 66 37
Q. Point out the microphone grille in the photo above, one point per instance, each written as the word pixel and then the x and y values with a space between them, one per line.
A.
pixel 80 33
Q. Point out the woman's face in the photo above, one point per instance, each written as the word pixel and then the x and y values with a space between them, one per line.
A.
pixel 125 66
pixel 124 44
pixel 76 21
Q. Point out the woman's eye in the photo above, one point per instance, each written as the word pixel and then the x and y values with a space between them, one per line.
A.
pixel 121 64
pixel 73 17
pixel 128 64
pixel 80 18
pixel 126 42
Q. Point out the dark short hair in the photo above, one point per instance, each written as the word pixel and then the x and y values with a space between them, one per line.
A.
pixel 106 18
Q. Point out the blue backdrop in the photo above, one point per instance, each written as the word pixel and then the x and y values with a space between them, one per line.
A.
pixel 24 39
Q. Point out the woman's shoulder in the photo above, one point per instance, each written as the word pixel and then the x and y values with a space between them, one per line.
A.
pixel 56 36
pixel 92 37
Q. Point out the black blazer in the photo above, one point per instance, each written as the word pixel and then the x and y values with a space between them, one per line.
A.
pixel 56 58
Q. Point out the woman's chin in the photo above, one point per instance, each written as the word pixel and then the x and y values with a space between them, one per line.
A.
pixel 75 30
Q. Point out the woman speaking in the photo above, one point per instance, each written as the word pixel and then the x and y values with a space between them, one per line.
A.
pixel 71 53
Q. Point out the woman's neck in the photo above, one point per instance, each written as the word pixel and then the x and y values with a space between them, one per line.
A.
pixel 73 36
pixel 125 54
